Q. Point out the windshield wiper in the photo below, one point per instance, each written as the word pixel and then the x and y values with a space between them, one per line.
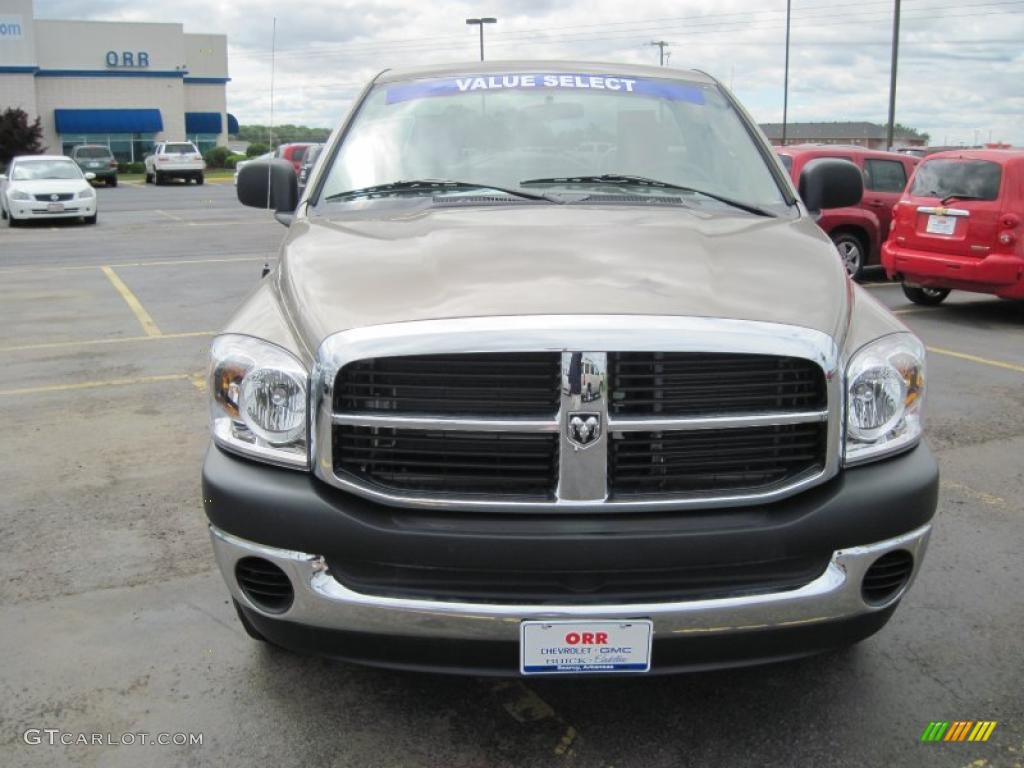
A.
pixel 628 179
pixel 430 186
pixel 950 198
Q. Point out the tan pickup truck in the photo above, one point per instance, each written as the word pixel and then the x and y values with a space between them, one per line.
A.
pixel 556 374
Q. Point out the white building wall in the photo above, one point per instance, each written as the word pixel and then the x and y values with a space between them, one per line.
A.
pixel 39 66
pixel 19 91
pixel 208 98
pixel 17 46
pixel 18 54
pixel 165 94
pixel 85 44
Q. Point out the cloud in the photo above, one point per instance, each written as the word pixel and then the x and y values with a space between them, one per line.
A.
pixel 960 68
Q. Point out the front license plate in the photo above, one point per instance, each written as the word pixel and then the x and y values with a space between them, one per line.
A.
pixel 941 225
pixel 55 207
pixel 581 647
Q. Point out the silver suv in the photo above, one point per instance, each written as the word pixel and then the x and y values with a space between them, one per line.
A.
pixel 556 374
pixel 175 160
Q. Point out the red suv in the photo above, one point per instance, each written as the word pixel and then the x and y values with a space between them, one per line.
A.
pixel 857 231
pixel 293 153
pixel 959 226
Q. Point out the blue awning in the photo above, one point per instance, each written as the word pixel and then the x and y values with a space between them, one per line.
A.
pixel 108 120
pixel 202 122
pixel 232 124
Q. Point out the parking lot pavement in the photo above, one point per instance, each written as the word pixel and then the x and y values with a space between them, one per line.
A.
pixel 115 619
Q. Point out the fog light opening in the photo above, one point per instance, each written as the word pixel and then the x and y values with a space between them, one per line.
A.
pixel 265 584
pixel 887 577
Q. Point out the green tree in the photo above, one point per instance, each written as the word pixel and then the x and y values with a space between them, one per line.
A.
pixel 282 133
pixel 18 136
pixel 256 149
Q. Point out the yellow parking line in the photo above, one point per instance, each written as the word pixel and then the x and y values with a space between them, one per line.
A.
pixel 97 342
pixel 165 263
pixel 95 384
pixel 976 359
pixel 141 314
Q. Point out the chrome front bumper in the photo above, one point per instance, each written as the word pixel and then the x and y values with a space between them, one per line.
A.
pixel 321 601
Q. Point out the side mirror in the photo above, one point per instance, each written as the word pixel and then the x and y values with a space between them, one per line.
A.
pixel 830 183
pixel 268 184
pixel 90 176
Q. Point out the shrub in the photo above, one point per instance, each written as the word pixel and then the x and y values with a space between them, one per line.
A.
pixel 18 136
pixel 232 161
pixel 216 157
pixel 257 149
pixel 131 167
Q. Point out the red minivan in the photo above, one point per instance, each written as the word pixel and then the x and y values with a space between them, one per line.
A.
pixel 860 230
pixel 959 226
pixel 293 153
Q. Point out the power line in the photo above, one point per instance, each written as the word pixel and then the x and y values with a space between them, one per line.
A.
pixel 698 23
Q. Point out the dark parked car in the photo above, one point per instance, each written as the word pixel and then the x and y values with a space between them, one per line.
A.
pixel 96 159
pixel 858 231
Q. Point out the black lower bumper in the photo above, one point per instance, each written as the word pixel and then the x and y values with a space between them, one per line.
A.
pixel 293 510
pixel 478 657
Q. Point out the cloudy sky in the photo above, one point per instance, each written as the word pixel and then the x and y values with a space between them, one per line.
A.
pixel 961 69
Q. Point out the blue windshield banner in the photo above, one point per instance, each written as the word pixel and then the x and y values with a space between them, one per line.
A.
pixel 661 89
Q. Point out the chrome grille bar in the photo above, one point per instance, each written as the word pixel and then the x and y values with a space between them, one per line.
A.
pixel 582 475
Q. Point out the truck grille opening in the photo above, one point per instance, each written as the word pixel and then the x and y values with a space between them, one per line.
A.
pixel 572 587
pixel 498 463
pixel 887 576
pixel 496 384
pixel 688 383
pixel 265 584
pixel 743 459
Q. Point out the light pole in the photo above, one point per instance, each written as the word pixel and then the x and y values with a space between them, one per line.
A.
pixel 891 125
pixel 785 85
pixel 480 23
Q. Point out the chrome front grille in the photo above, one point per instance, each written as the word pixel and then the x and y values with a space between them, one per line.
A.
pixel 496 415
pixel 495 384
pixel 682 383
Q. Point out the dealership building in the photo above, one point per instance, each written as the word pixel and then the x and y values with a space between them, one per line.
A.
pixel 126 85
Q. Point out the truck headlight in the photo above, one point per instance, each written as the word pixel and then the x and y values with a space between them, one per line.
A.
pixel 259 396
pixel 20 195
pixel 884 398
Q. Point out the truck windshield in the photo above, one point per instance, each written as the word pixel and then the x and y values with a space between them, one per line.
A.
pixel 501 130
pixel 968 179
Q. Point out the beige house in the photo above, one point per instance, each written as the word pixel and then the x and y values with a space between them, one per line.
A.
pixel 858 133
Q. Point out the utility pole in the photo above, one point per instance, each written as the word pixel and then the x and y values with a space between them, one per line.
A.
pixel 480 23
pixel 662 45
pixel 785 84
pixel 892 76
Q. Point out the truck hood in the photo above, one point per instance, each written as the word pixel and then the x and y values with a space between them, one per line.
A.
pixel 349 271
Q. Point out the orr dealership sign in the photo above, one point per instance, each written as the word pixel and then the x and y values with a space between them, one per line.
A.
pixel 128 59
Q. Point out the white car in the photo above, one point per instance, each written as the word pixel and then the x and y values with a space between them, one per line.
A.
pixel 242 163
pixel 46 187
pixel 175 160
